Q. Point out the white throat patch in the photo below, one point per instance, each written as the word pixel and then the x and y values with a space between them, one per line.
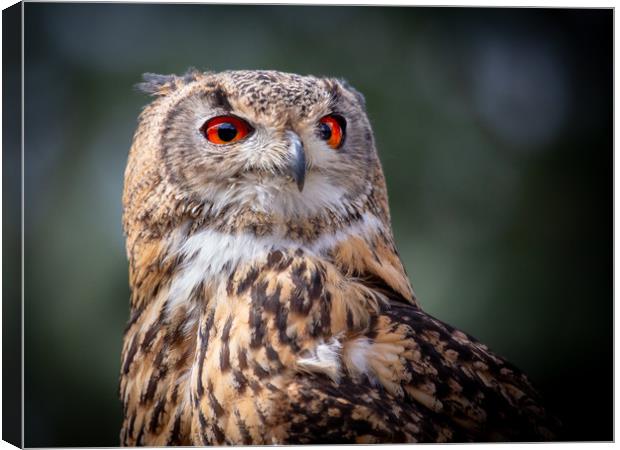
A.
pixel 213 255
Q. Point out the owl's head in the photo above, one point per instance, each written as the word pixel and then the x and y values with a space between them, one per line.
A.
pixel 280 145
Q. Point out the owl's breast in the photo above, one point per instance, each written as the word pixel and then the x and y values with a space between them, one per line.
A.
pixel 287 316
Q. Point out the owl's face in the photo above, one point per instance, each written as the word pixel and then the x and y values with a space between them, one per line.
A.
pixel 277 143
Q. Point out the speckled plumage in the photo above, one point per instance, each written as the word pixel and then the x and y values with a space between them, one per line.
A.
pixel 263 314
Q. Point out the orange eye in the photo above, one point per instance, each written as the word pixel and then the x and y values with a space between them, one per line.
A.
pixel 225 129
pixel 331 130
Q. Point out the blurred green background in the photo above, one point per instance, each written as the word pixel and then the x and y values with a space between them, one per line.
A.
pixel 495 132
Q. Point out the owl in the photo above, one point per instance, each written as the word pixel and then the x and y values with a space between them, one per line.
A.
pixel 269 304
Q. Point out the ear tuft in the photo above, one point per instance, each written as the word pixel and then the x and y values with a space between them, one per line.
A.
pixel 360 97
pixel 155 84
pixel 191 74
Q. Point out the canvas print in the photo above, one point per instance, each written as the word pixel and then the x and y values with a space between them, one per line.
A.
pixel 259 225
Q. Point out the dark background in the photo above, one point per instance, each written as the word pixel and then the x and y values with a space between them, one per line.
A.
pixel 494 128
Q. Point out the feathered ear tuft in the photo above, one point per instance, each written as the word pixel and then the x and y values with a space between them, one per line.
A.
pixel 191 74
pixel 155 84
pixel 358 94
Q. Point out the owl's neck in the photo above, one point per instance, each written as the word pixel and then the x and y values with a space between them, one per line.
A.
pixel 192 257
pixel 362 248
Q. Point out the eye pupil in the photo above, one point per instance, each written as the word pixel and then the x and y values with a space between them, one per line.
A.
pixel 325 131
pixel 226 131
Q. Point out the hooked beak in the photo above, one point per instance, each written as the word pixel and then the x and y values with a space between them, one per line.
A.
pixel 297 163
